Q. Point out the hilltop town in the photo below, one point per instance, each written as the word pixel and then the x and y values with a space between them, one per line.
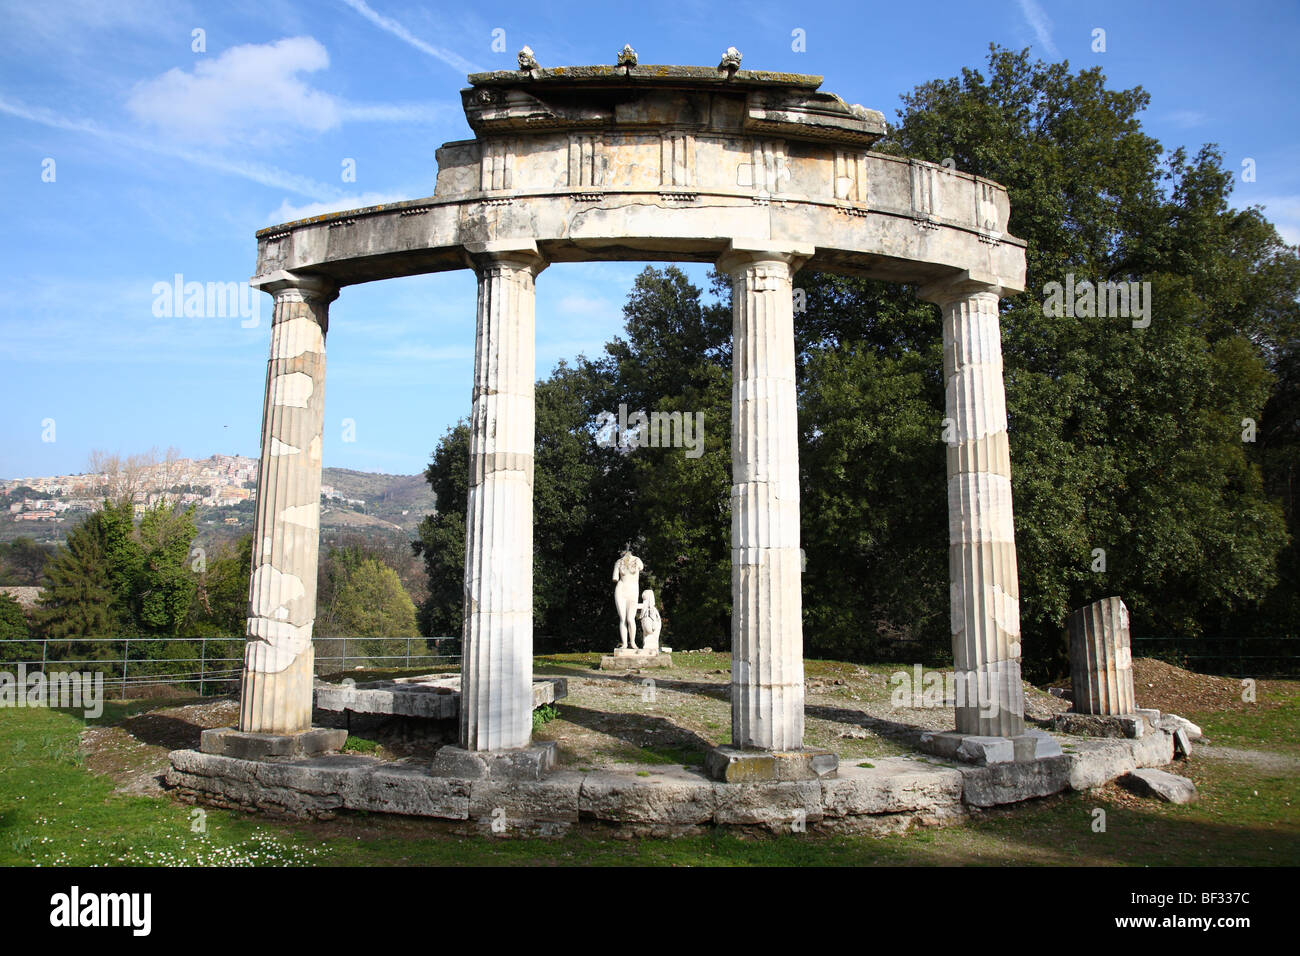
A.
pixel 223 489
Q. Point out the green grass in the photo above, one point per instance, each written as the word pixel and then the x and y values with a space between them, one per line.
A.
pixel 1272 724
pixel 54 811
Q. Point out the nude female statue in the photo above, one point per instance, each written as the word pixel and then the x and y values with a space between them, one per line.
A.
pixel 627 572
pixel 650 621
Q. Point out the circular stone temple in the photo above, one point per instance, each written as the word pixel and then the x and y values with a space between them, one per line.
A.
pixel 762 174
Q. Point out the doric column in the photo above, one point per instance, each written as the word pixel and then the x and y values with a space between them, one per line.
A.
pixel 1101 662
pixel 275 694
pixel 497 654
pixel 767 688
pixel 981 534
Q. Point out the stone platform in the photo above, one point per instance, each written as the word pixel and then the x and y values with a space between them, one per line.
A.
pixel 881 795
pixel 432 696
pixel 630 658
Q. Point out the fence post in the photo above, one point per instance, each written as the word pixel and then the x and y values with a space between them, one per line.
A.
pixel 408 653
pixel 45 643
pixel 126 658
pixel 203 661
pixel 344 667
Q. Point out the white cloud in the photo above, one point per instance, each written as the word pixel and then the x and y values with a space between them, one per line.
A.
pixel 248 93
pixel 1039 22
pixel 390 25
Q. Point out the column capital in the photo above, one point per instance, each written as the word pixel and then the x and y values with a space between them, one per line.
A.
pixel 963 285
pixel 745 252
pixel 520 253
pixel 311 287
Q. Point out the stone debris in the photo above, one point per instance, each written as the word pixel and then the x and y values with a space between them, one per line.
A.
pixel 1161 784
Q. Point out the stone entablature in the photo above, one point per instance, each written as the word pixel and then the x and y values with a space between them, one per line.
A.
pixel 668 163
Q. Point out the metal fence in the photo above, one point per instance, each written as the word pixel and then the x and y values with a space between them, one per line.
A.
pixel 166 666
pixel 1235 656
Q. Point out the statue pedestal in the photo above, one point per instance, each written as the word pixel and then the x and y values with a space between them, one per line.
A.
pixel 634 658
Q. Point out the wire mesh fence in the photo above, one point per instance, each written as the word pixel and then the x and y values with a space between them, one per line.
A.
pixel 209 666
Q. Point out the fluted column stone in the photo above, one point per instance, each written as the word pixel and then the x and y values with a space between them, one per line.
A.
pixel 985 592
pixel 275 694
pixel 497 654
pixel 767 682
pixel 1101 661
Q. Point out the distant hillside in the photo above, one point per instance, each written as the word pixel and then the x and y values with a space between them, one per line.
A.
pixel 386 497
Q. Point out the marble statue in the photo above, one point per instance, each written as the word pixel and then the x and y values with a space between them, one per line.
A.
pixel 650 622
pixel 627 572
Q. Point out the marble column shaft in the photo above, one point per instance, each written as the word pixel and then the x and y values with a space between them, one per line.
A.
pixel 497 654
pixel 985 590
pixel 1101 659
pixel 767 682
pixel 275 694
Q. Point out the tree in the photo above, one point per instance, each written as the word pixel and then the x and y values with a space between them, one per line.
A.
pixel 373 603
pixel 166 582
pixel 14 627
pixel 22 562
pixel 441 536
pixel 220 605
pixel 1124 441
pixel 123 560
pixel 76 601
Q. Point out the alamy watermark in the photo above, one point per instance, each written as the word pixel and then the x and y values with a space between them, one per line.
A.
pixel 984 689
pixel 656 430
pixel 70 690
pixel 207 300
pixel 1088 300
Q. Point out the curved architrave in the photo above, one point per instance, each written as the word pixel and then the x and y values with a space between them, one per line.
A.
pixel 429 235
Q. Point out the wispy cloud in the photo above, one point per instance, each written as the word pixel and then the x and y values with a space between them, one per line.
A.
pixel 1039 22
pixel 262 173
pixel 1187 119
pixel 390 25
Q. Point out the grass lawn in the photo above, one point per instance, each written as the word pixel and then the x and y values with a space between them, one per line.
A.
pixel 55 811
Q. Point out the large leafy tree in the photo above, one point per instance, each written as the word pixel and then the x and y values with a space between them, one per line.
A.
pixel 166 581
pixel 1123 440
pixel 371 602
pixel 220 605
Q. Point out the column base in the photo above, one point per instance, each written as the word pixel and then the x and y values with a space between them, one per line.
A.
pixel 729 764
pixel 523 763
pixel 982 751
pixel 229 742
pixel 1133 726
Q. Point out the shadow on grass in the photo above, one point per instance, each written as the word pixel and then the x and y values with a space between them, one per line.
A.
pixel 655 736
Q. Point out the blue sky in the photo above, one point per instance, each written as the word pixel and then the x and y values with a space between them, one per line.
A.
pixel 167 161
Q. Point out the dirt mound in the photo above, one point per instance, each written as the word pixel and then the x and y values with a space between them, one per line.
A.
pixel 1174 690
